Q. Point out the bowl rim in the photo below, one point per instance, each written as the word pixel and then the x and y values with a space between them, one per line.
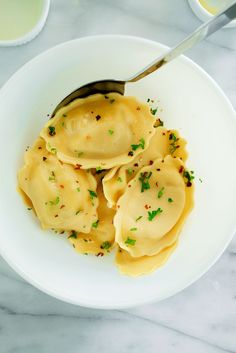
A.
pixel 204 267
pixel 28 36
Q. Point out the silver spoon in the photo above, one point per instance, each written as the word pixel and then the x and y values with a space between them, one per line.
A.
pixel 106 86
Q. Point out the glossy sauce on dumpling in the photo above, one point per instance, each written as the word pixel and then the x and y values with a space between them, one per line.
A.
pixel 100 131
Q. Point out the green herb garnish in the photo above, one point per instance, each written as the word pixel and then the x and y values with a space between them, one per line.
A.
pixel 153 214
pixel 137 219
pixel 144 179
pixel 78 189
pixel 153 111
pixel 133 229
pixel 119 179
pixel 112 100
pixel 64 115
pixel 111 132
pixel 55 202
pixel 130 171
pixel 95 224
pixel 105 245
pixel 170 200
pixel 92 194
pixel 160 193
pixel 189 177
pixel 140 145
pixel 77 212
pixel 51 130
pixel 130 241
pixel 73 235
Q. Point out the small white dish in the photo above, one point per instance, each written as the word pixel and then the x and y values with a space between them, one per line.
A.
pixel 204 15
pixel 191 102
pixel 35 30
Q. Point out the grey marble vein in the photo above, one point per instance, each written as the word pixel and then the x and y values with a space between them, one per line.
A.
pixel 202 318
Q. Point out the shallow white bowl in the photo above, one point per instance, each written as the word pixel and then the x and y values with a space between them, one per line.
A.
pixel 191 102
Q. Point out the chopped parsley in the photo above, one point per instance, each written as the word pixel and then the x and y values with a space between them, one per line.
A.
pixel 200 180
pixel 144 179
pixel 77 212
pixel 160 193
pixel 98 169
pixel 170 200
pixel 78 189
pixel 79 154
pixel 130 171
pixel 133 229
pixel 92 194
pixel 153 214
pixel 137 219
pixel 52 177
pixel 95 224
pixel 73 235
pixel 105 245
pixel 51 130
pixel 119 179
pixel 130 241
pixel 174 140
pixel 55 202
pixel 140 145
pixel 153 111
pixel 52 149
pixel 148 100
pixel 64 115
pixel 112 100
pixel 111 132
pixel 188 177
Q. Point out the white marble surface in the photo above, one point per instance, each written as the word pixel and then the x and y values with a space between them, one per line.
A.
pixel 200 319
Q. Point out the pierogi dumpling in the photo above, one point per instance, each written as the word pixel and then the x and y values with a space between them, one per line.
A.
pixel 63 197
pixel 150 207
pixel 100 131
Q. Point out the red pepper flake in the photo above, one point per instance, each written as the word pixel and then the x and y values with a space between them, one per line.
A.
pixel 162 161
pixel 158 169
pixel 146 206
pixel 62 232
pixel 157 184
pixel 61 186
pixel 181 169
pixel 149 207
pixel 138 108
pixel 98 117
pixel 88 137
pixel 150 162
pixel 44 159
pixel 118 206
pixel 136 165
pixel 62 206
pixel 39 148
pixel 163 133
pixel 73 245
pixel 56 215
pixel 129 186
pixel 100 254
pixel 131 153
pixel 77 166
pixel 92 112
pixel 189 184
pixel 120 250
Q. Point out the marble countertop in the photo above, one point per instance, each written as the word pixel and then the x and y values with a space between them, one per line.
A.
pixel 202 318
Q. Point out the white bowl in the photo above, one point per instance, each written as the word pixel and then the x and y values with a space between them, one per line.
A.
pixel 204 15
pixel 27 37
pixel 191 102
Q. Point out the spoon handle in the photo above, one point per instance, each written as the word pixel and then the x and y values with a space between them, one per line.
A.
pixel 205 30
